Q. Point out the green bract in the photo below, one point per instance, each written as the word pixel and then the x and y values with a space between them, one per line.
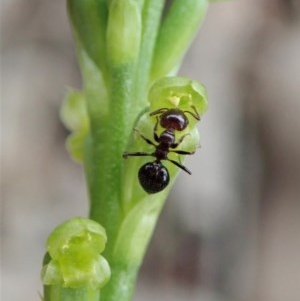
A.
pixel 176 32
pixel 74 248
pixel 89 18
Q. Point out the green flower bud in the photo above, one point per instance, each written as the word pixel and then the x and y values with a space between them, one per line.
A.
pixel 75 117
pixel 176 33
pixel 73 112
pixel 123 31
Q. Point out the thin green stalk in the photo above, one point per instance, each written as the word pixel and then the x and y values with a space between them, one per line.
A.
pixel 108 149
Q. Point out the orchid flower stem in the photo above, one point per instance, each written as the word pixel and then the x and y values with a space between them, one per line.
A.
pixel 124 47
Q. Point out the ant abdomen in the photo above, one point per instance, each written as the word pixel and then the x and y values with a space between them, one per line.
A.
pixel 153 177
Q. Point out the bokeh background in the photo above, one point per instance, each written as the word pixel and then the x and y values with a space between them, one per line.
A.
pixel 231 231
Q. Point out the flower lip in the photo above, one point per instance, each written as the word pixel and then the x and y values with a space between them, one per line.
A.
pixel 178 92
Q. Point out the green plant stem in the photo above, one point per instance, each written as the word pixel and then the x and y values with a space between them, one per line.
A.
pixel 105 193
pixel 104 162
pixel 122 285
pixel 110 133
pixel 115 88
pixel 133 238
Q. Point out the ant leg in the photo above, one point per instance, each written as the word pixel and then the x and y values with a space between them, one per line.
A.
pixel 159 111
pixel 174 145
pixel 136 154
pixel 180 166
pixel 196 115
pixel 156 138
pixel 145 138
pixel 182 152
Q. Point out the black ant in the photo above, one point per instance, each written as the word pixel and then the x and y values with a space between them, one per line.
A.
pixel 154 176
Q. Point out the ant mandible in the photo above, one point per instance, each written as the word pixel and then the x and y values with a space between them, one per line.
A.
pixel 154 176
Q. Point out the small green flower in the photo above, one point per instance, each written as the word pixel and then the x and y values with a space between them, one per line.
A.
pixel 74 258
pixel 179 92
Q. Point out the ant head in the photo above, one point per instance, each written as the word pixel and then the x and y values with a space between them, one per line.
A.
pixel 174 119
pixel 153 177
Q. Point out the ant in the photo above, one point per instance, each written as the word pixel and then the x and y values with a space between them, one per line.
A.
pixel 154 176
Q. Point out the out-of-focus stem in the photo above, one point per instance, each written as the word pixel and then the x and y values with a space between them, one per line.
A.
pixel 176 34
